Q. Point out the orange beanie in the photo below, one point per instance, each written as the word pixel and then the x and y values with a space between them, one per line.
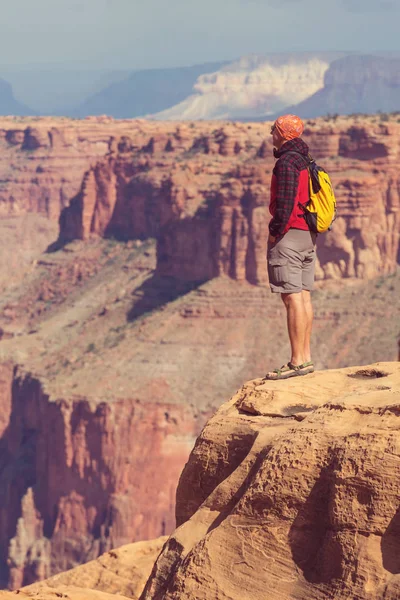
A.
pixel 289 126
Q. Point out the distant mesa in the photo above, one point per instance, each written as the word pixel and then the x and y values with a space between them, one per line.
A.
pixel 8 103
pixel 252 88
pixel 355 84
pixel 144 92
pixel 312 85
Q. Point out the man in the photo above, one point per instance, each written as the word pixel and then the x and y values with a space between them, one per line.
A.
pixel 291 246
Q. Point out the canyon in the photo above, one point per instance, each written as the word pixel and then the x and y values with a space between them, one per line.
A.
pixel 210 191
pixel 291 486
pixel 134 301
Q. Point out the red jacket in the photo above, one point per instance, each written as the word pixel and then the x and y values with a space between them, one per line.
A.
pixel 289 187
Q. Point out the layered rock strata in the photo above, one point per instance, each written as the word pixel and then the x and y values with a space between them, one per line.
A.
pixel 43 160
pixel 79 476
pixel 292 487
pixel 202 185
pixel 205 199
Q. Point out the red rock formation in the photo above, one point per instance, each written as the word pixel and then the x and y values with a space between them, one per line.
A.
pixel 292 487
pixel 71 321
pixel 43 162
pixel 207 204
pixel 78 477
pixel 143 178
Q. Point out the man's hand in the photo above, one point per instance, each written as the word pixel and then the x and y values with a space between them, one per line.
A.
pixel 271 239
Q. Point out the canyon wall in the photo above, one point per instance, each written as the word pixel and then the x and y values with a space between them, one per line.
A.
pixel 120 379
pixel 79 476
pixel 43 160
pixel 202 189
pixel 204 196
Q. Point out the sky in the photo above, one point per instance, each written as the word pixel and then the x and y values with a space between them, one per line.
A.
pixel 140 34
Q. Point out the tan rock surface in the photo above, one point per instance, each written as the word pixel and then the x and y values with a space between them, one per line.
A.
pixel 66 592
pixel 123 571
pixel 292 491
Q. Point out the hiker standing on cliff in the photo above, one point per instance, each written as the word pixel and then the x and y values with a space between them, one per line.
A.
pixel 291 245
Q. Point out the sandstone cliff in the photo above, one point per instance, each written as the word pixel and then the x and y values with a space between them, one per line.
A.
pixel 292 487
pixel 43 161
pixel 204 194
pixel 141 92
pixel 119 573
pixel 310 84
pixel 134 356
pixel 122 571
pixel 79 476
pixel 203 186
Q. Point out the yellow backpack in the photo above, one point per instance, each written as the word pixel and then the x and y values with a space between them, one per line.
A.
pixel 320 211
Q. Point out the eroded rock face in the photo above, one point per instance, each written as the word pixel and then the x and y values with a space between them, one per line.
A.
pixel 74 476
pixel 43 161
pixel 202 189
pixel 204 194
pixel 292 487
pixel 123 571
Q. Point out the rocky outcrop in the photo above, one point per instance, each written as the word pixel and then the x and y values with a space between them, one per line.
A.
pixel 119 573
pixel 116 200
pixel 75 473
pixel 292 487
pixel 123 571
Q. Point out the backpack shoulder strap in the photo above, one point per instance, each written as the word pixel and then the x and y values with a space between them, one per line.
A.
pixel 308 159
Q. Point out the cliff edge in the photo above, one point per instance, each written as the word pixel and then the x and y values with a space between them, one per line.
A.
pixel 293 487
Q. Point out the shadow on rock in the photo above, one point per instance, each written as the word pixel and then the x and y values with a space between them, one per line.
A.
pixel 157 292
pixel 390 545
pixel 56 246
pixel 315 547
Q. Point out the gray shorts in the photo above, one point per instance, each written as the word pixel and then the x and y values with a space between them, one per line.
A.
pixel 291 262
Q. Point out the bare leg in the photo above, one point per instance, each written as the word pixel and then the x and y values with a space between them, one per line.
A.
pixel 308 308
pixel 297 322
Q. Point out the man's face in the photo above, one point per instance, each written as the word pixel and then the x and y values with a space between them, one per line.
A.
pixel 276 138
